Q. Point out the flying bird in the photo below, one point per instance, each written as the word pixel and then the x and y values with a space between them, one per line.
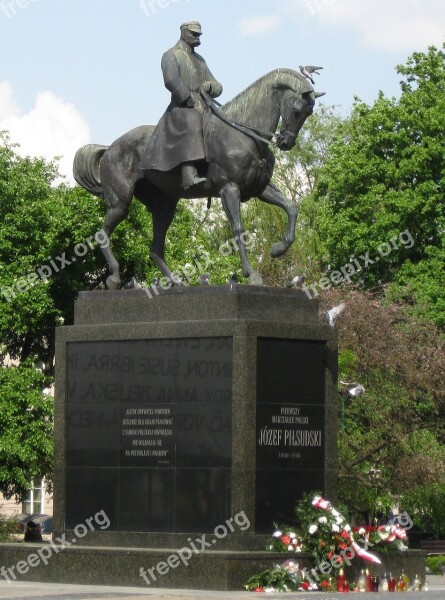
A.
pixel 297 281
pixel 308 70
pixel 332 314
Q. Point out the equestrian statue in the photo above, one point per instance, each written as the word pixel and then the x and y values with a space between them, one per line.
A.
pixel 199 149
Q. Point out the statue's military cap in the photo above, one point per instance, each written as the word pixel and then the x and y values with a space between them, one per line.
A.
pixel 192 26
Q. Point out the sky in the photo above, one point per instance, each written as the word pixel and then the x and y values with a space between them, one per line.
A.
pixel 74 72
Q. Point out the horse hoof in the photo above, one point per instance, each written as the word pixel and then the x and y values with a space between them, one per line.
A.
pixel 255 279
pixel 112 284
pixel 278 249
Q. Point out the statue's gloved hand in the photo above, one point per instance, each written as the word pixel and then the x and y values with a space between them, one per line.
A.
pixel 189 103
pixel 206 87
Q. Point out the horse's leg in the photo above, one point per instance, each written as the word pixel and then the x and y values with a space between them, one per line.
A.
pixel 113 217
pixel 163 211
pixel 272 195
pixel 118 193
pixel 230 198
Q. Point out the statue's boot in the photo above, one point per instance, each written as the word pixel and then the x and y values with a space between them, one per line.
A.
pixel 190 176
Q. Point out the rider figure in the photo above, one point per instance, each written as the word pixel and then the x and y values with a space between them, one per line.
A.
pixel 178 139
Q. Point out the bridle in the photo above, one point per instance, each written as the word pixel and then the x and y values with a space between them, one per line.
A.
pixel 257 134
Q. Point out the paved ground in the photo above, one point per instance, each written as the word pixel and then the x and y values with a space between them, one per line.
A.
pixel 49 591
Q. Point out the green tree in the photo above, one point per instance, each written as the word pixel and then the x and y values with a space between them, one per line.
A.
pixel 391 437
pixel 426 507
pixel 386 175
pixel 26 426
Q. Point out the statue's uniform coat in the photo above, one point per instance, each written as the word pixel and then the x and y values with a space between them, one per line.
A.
pixel 178 137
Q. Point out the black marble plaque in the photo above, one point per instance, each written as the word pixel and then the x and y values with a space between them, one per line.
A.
pixel 146 499
pixel 290 426
pixel 89 491
pixel 277 492
pixel 156 416
pixel 290 371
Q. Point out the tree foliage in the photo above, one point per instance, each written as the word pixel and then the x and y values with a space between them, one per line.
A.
pixel 386 175
pixel 426 506
pixel 391 437
pixel 26 427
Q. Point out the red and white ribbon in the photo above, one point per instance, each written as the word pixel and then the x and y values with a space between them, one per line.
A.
pixel 319 502
pixel 393 531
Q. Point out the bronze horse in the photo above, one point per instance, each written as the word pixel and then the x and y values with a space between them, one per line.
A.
pixel 239 167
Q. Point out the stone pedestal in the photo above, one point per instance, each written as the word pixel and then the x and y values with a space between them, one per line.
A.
pixel 203 410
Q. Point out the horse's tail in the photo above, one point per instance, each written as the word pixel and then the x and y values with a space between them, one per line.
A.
pixel 86 168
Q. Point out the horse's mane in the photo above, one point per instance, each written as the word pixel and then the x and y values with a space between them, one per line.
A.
pixel 244 104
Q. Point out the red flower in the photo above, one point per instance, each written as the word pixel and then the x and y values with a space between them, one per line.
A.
pixel 322 543
pixel 330 555
pixel 259 589
pixel 343 546
pixel 286 540
pixel 324 583
pixel 304 585
pixel 344 534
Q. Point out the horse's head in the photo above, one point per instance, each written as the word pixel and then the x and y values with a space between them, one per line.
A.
pixel 295 108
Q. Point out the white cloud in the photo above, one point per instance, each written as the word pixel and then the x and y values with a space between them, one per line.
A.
pixel 52 128
pixel 7 105
pixel 388 25
pixel 259 25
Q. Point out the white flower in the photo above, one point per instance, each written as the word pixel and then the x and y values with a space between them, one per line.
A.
pixel 322 520
pixel 277 534
pixel 290 548
pixel 335 528
pixel 292 567
pixel 362 531
pixel 313 529
pixel 292 535
pixel 270 590
pixel 339 520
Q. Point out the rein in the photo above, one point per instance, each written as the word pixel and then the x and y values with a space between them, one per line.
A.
pixel 214 107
